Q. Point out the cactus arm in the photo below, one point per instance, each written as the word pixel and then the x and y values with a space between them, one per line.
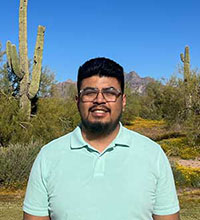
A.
pixel 15 62
pixel 182 57
pixel 13 59
pixel 185 58
pixel 8 52
pixel 37 63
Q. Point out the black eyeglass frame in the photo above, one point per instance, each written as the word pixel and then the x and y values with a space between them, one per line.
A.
pixel 100 91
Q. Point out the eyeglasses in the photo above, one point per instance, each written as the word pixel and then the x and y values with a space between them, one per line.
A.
pixel 90 94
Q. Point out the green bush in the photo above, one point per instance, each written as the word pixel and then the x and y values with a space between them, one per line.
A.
pixel 132 107
pixel 192 127
pixel 55 117
pixel 16 162
pixel 11 121
pixel 152 101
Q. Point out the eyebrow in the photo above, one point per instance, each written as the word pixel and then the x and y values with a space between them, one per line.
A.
pixel 111 87
pixel 88 88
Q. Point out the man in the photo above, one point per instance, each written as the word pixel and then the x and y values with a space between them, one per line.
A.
pixel 101 170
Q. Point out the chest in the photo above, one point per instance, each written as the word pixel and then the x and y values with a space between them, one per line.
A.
pixel 102 188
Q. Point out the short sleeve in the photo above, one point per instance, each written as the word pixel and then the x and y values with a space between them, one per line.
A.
pixel 36 198
pixel 166 198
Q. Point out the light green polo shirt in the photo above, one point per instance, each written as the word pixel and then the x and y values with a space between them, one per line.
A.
pixel 130 180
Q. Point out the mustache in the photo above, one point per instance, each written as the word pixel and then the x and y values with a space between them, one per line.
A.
pixel 102 107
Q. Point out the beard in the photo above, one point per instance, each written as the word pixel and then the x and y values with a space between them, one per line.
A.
pixel 100 128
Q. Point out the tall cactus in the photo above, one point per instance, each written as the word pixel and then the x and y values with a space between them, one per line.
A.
pixel 19 63
pixel 185 58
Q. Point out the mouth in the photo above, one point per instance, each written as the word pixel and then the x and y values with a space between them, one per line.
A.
pixel 99 111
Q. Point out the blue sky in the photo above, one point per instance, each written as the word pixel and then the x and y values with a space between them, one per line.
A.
pixel 146 36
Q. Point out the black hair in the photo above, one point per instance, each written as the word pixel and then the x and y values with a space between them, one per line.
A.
pixel 101 66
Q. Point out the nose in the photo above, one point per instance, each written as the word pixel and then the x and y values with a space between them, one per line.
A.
pixel 99 98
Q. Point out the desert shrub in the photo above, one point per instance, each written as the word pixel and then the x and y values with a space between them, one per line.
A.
pixel 192 128
pixel 173 146
pixel 132 108
pixel 186 176
pixel 189 153
pixel 173 107
pixel 16 162
pixel 152 101
pixel 13 127
pixel 179 147
pixel 55 117
pixel 154 129
pixel 145 123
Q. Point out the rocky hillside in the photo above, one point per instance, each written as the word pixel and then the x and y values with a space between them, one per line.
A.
pixel 64 89
pixel 132 79
pixel 137 83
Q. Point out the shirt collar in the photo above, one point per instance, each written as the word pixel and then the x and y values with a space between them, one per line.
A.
pixel 121 140
pixel 77 141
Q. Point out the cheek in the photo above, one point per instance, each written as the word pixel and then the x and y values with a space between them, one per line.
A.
pixel 83 109
pixel 116 110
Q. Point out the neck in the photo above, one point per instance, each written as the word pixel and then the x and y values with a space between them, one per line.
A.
pixel 99 141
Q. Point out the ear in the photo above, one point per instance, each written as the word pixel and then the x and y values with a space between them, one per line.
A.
pixel 77 101
pixel 123 102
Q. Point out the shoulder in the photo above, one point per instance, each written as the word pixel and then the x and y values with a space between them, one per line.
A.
pixel 56 148
pixel 142 145
pixel 58 143
pixel 138 140
pixel 52 154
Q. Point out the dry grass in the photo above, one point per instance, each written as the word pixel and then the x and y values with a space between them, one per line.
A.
pixel 11 204
pixel 190 204
pixel 154 129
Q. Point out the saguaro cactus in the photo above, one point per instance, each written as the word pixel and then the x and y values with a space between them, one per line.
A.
pixel 19 63
pixel 185 58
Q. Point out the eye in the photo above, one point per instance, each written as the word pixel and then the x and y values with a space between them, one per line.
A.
pixel 89 92
pixel 110 92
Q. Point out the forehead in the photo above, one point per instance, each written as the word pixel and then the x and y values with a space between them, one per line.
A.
pixel 100 82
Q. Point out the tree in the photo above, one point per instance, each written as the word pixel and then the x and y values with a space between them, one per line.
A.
pixel 47 81
pixel 175 107
pixel 133 106
pixel 152 101
pixel 173 104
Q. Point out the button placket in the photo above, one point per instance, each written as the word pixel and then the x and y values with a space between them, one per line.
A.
pixel 99 168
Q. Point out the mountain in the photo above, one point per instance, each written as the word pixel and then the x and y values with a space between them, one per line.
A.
pixel 137 83
pixel 132 79
pixel 64 89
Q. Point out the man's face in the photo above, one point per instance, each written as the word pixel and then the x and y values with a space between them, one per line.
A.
pixel 99 115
